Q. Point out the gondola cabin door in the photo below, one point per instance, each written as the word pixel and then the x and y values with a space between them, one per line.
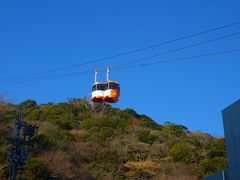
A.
pixel 98 92
pixel 112 90
pixel 98 89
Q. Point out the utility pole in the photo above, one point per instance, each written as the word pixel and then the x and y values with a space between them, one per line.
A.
pixel 21 143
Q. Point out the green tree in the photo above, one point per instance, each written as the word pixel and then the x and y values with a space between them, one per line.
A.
pixel 36 169
pixel 181 152
pixel 216 149
pixel 209 166
pixel 145 121
pixel 173 129
pixel 146 136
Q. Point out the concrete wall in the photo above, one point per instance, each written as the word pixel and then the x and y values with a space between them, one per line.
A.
pixel 233 174
pixel 231 122
pixel 226 174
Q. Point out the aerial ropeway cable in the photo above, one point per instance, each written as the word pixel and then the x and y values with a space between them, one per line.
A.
pixel 36 75
pixel 120 67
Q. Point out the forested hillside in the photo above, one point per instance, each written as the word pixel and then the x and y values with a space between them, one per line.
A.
pixel 78 140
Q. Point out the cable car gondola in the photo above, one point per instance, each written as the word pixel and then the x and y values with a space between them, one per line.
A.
pixel 98 90
pixel 112 90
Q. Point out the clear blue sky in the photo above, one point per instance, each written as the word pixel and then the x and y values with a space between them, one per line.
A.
pixel 37 36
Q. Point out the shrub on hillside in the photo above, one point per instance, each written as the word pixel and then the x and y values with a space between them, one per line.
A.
pixel 181 152
pixel 172 129
pixel 208 166
pixel 36 169
pixel 145 121
pixel 146 136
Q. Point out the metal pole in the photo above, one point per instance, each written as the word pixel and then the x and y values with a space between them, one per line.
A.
pixel 108 73
pixel 95 77
pixel 18 154
pixel 17 143
pixel 223 175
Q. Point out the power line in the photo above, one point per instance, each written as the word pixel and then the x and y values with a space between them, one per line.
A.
pixel 10 112
pixel 178 49
pixel 48 77
pixel 127 67
pixel 131 62
pixel 180 59
pixel 127 52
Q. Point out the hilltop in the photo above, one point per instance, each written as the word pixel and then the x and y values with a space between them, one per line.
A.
pixel 78 140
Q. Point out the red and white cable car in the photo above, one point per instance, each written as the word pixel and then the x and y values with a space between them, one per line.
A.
pixel 112 90
pixel 98 90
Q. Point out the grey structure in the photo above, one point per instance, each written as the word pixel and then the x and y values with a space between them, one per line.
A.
pixel 231 122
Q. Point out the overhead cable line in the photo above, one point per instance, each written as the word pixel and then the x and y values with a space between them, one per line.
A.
pixel 10 112
pixel 50 76
pixel 180 59
pixel 189 58
pixel 127 52
pixel 138 60
pixel 178 49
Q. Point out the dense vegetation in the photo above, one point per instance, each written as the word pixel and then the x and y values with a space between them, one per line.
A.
pixel 78 140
